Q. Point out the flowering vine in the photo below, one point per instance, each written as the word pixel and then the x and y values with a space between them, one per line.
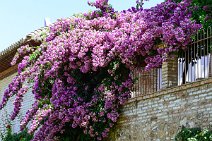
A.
pixel 80 73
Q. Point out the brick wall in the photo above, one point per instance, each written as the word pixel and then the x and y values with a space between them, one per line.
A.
pixel 159 116
pixel 7 110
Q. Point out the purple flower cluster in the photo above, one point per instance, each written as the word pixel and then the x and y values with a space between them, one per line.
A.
pixel 81 71
pixel 105 9
pixel 18 100
pixel 29 115
pixel 39 116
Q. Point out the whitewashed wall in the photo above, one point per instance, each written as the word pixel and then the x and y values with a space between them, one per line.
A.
pixel 7 110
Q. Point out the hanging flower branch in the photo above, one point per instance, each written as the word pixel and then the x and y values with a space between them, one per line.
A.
pixel 80 74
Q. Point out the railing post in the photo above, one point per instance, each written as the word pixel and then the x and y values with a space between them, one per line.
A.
pixel 210 65
pixel 170 72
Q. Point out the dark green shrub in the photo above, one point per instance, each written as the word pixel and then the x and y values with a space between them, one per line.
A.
pixel 194 134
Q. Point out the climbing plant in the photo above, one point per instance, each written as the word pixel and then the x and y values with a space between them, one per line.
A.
pixel 80 73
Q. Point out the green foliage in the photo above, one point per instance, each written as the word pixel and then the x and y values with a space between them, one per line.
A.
pixel 194 134
pixel 35 54
pixel 202 11
pixel 21 136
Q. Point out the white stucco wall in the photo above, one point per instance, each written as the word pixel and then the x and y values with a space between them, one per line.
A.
pixel 7 110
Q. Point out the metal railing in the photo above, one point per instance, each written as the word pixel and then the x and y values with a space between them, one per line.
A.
pixel 146 82
pixel 196 62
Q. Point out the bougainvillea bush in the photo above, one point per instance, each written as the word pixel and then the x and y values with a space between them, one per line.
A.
pixel 80 73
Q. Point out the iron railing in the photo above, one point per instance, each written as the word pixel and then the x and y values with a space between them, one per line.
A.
pixel 196 62
pixel 146 82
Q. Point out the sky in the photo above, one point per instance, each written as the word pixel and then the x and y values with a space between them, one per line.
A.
pixel 20 17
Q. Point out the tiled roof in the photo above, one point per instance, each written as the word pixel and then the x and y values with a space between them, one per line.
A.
pixel 7 55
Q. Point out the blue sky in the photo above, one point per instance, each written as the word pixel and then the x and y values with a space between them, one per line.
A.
pixel 20 17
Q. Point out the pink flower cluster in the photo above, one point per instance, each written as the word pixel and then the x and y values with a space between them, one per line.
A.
pixel 81 71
